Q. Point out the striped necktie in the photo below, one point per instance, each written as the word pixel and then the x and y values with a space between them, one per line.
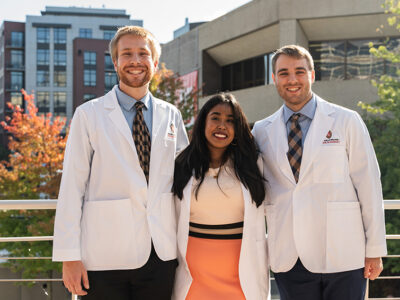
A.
pixel 295 146
pixel 141 136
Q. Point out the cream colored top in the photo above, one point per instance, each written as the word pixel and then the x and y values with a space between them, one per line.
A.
pixel 219 202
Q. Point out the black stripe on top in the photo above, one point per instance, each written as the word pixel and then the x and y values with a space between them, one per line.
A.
pixel 235 236
pixel 221 226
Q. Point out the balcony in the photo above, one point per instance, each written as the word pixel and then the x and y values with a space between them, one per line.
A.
pixel 109 67
pixel 14 87
pixel 15 66
pixel 51 204
pixel 15 44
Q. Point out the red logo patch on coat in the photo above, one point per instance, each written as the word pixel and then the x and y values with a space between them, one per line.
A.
pixel 329 134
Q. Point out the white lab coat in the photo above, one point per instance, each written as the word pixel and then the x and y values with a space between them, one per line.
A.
pixel 333 217
pixel 106 214
pixel 253 264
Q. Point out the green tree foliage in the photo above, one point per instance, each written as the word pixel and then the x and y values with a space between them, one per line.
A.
pixel 383 121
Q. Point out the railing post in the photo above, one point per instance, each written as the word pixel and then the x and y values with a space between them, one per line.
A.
pixel 367 290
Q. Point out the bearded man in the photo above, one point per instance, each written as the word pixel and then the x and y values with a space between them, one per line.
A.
pixel 115 227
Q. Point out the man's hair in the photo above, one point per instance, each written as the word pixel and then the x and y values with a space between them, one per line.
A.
pixel 139 32
pixel 293 51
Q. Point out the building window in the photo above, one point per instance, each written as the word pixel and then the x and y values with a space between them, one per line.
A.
pixel 17 39
pixel 60 78
pixel 248 73
pixel 391 68
pixel 43 103
pixel 108 64
pixel 60 104
pixel 16 99
pixel 85 33
pixel 108 34
pixel 60 57
pixel 17 80
pixel 110 79
pixel 89 77
pixel 89 58
pixel 42 58
pixel 350 59
pixel 360 63
pixel 43 35
pixel 42 78
pixel 87 97
pixel 60 35
pixel 17 58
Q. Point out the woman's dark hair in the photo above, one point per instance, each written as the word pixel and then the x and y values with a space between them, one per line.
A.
pixel 195 158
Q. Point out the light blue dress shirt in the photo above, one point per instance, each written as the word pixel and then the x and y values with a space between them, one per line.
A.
pixel 127 104
pixel 307 115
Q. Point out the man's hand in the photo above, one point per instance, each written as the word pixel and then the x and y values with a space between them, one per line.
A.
pixel 74 273
pixel 373 267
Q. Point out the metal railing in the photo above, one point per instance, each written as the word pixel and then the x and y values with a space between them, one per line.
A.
pixel 15 66
pixel 15 43
pixel 389 205
pixel 51 204
pixel 29 205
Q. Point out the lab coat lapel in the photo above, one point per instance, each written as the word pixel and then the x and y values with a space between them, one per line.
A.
pixel 183 231
pixel 118 119
pixel 277 135
pixel 319 128
pixel 159 118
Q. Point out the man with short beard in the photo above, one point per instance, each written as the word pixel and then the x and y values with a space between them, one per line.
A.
pixel 325 217
pixel 115 227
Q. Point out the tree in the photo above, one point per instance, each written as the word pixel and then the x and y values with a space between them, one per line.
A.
pixel 166 85
pixel 36 145
pixel 383 121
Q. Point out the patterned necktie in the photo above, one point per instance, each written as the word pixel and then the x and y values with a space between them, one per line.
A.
pixel 295 148
pixel 142 139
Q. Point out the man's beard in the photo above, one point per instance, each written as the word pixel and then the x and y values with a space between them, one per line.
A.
pixel 135 83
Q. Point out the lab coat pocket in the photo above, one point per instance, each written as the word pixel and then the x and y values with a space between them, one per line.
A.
pixel 345 235
pixel 104 232
pixel 329 164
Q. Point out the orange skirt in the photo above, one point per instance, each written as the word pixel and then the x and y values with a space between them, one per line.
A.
pixel 214 266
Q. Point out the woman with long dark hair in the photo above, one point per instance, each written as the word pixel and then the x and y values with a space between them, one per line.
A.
pixel 219 193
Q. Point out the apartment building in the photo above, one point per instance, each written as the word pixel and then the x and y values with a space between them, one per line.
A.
pixel 55 41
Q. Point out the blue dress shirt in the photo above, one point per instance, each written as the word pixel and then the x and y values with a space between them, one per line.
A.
pixel 307 114
pixel 127 104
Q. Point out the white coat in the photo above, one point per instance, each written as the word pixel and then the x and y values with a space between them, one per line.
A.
pixel 333 217
pixel 106 214
pixel 253 264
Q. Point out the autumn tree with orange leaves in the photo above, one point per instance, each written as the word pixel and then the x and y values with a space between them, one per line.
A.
pixel 37 148
pixel 167 86
pixel 32 171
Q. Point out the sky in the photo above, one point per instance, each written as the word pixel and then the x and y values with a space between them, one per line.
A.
pixel 161 17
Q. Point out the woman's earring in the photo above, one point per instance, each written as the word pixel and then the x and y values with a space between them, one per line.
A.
pixel 233 143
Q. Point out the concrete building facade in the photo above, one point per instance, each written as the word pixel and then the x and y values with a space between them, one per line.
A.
pixel 50 53
pixel 233 52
